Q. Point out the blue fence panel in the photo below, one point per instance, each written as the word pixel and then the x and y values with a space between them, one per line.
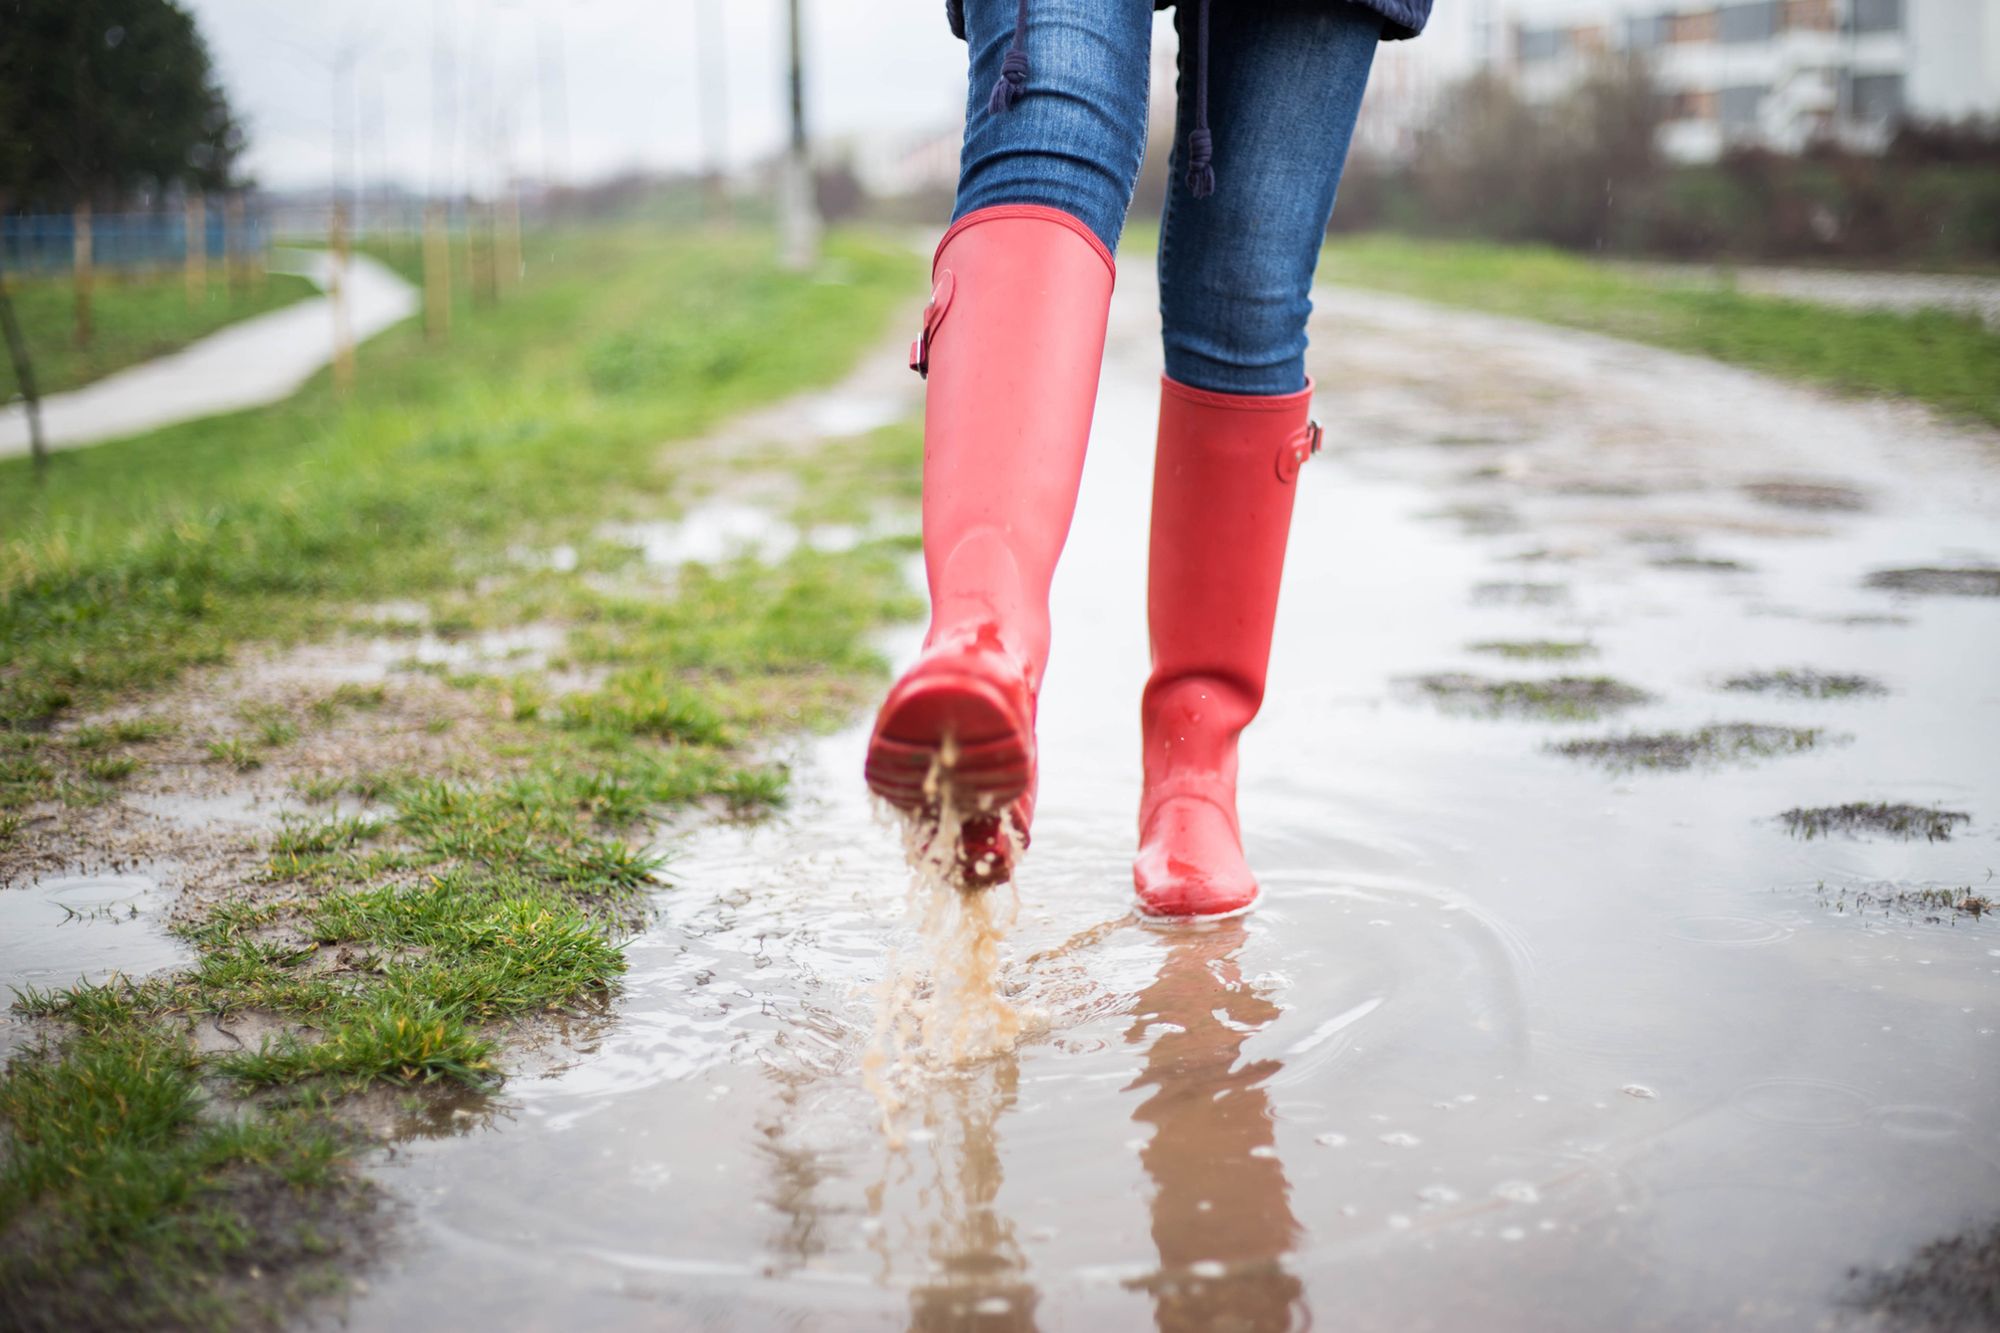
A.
pixel 45 243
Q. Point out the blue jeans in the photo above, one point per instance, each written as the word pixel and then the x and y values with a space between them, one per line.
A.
pixel 1285 80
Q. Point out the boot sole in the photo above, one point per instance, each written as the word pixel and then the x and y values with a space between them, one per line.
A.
pixel 1161 920
pixel 992 748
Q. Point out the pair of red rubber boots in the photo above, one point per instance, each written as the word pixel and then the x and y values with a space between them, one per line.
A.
pixel 1012 344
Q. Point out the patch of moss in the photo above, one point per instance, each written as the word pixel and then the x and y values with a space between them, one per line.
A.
pixel 1519 593
pixel 1805 683
pixel 1907 822
pixel 1567 698
pixel 1728 742
pixel 1950 1283
pixel 1812 496
pixel 1533 650
pixel 1933 581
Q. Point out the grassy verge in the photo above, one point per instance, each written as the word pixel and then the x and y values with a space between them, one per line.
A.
pixel 467 843
pixel 133 319
pixel 1945 360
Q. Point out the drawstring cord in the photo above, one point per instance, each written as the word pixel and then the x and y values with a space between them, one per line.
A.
pixel 1013 80
pixel 1012 85
pixel 1200 144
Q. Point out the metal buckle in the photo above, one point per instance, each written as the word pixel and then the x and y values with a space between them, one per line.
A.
pixel 1293 453
pixel 920 350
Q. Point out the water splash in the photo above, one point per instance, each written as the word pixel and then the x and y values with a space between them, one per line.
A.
pixel 943 1004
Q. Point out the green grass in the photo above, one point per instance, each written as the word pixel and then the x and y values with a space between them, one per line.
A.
pixel 1946 360
pixel 140 559
pixel 395 947
pixel 133 319
pixel 121 1199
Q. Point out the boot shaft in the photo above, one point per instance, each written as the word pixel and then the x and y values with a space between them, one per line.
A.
pixel 1013 345
pixel 1224 479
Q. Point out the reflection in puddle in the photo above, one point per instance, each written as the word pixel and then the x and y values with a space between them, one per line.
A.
pixel 1221 1213
pixel 57 932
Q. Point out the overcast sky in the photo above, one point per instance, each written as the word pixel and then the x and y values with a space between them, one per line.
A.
pixel 627 70
pixel 622 77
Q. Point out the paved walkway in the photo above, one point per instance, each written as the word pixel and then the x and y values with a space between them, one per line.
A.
pixel 247 364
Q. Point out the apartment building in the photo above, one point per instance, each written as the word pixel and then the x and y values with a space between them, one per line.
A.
pixel 1778 73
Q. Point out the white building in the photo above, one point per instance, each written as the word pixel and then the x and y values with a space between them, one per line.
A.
pixel 1772 72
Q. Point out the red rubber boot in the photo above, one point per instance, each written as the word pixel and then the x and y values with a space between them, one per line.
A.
pixel 1224 476
pixel 1012 345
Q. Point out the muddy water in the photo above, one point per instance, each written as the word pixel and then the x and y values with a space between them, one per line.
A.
pixel 1513 1042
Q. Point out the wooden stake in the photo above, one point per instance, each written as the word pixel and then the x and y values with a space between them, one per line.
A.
pixel 343 331
pixel 437 274
pixel 479 250
pixel 197 251
pixel 80 259
pixel 24 374
pixel 234 261
pixel 507 246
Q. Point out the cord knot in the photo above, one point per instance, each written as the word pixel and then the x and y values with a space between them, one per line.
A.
pixel 1200 172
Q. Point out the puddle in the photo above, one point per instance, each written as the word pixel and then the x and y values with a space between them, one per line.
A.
pixel 413 647
pixel 55 932
pixel 716 531
pixel 1504 1026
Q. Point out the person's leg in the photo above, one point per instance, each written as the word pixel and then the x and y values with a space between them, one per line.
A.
pixel 1236 265
pixel 1074 139
pixel 1012 345
pixel 1285 81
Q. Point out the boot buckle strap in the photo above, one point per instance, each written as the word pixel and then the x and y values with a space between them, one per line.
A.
pixel 1293 453
pixel 920 350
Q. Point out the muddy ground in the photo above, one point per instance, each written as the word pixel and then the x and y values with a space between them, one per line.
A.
pixel 1550 1020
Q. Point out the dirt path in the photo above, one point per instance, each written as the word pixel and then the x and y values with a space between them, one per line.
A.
pixel 1526 1036
pixel 248 364
pixel 1551 1019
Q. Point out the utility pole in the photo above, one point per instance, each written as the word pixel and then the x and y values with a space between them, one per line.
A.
pixel 798 218
pixel 336 291
pixel 437 211
pixel 24 375
pixel 343 148
pixel 553 86
pixel 712 81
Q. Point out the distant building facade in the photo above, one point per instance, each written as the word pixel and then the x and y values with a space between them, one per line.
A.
pixel 1777 73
